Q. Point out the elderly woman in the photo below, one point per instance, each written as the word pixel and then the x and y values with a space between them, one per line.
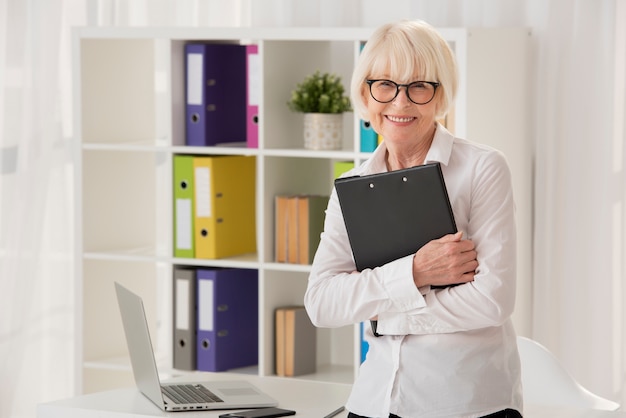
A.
pixel 442 350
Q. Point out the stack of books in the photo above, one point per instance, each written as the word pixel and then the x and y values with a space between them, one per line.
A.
pixel 299 222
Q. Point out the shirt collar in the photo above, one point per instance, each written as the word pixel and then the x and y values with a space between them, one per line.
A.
pixel 441 148
pixel 440 151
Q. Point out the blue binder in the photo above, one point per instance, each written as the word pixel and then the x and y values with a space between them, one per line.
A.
pixel 364 344
pixel 369 137
pixel 215 94
pixel 228 317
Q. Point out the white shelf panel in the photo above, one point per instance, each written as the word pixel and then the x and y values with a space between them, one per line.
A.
pixel 147 254
pixel 244 35
pixel 305 153
pixel 302 268
pixel 145 145
pixel 233 149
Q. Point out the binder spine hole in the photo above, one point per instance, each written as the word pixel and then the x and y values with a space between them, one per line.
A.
pixel 404 179
pixel 195 118
pixel 204 232
pixel 371 185
pixel 206 344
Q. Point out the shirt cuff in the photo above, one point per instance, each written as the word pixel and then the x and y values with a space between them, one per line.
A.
pixel 398 282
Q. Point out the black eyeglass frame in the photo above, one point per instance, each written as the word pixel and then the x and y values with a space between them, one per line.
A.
pixel 435 84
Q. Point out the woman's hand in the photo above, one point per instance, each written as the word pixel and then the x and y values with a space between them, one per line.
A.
pixel 445 261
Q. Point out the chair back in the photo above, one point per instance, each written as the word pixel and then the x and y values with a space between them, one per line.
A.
pixel 546 382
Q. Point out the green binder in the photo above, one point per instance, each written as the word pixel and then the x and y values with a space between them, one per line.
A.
pixel 183 207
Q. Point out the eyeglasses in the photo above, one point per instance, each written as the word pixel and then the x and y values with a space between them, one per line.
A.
pixel 419 92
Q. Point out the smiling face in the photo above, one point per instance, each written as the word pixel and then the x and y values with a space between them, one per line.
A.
pixel 401 121
pixel 405 52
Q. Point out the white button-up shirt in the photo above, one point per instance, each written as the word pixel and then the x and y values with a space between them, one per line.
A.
pixel 448 352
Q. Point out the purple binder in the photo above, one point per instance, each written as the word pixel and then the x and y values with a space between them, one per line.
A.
pixel 253 68
pixel 215 94
pixel 227 320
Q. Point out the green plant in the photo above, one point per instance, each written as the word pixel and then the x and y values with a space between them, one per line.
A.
pixel 319 93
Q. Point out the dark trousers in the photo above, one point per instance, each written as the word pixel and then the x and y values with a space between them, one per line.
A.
pixel 507 413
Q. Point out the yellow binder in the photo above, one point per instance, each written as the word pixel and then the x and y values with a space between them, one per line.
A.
pixel 225 188
pixel 183 206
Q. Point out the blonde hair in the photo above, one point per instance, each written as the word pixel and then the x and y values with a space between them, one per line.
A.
pixel 401 50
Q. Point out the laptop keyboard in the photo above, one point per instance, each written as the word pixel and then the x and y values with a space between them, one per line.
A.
pixel 183 394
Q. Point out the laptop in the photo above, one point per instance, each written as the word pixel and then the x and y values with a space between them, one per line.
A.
pixel 174 397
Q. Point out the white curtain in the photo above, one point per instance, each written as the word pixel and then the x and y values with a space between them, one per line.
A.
pixel 579 193
pixel 578 115
pixel 36 207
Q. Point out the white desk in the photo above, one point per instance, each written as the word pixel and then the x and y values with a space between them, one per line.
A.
pixel 309 400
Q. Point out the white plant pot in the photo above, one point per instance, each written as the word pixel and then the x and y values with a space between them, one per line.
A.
pixel 323 131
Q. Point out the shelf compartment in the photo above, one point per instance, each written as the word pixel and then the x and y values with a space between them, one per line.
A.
pixel 281 127
pixel 120 193
pixel 335 361
pixel 118 93
pixel 284 176
pixel 102 325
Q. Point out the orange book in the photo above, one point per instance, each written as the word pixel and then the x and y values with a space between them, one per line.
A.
pixel 292 229
pixel 296 342
pixel 280 234
pixel 280 341
pixel 311 215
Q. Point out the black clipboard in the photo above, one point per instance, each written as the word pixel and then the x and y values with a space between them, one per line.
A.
pixel 391 215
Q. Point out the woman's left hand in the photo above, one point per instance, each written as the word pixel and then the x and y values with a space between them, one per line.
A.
pixel 445 261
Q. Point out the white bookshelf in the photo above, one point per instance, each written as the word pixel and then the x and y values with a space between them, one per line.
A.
pixel 129 123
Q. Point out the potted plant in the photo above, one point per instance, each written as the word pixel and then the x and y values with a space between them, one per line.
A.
pixel 320 96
